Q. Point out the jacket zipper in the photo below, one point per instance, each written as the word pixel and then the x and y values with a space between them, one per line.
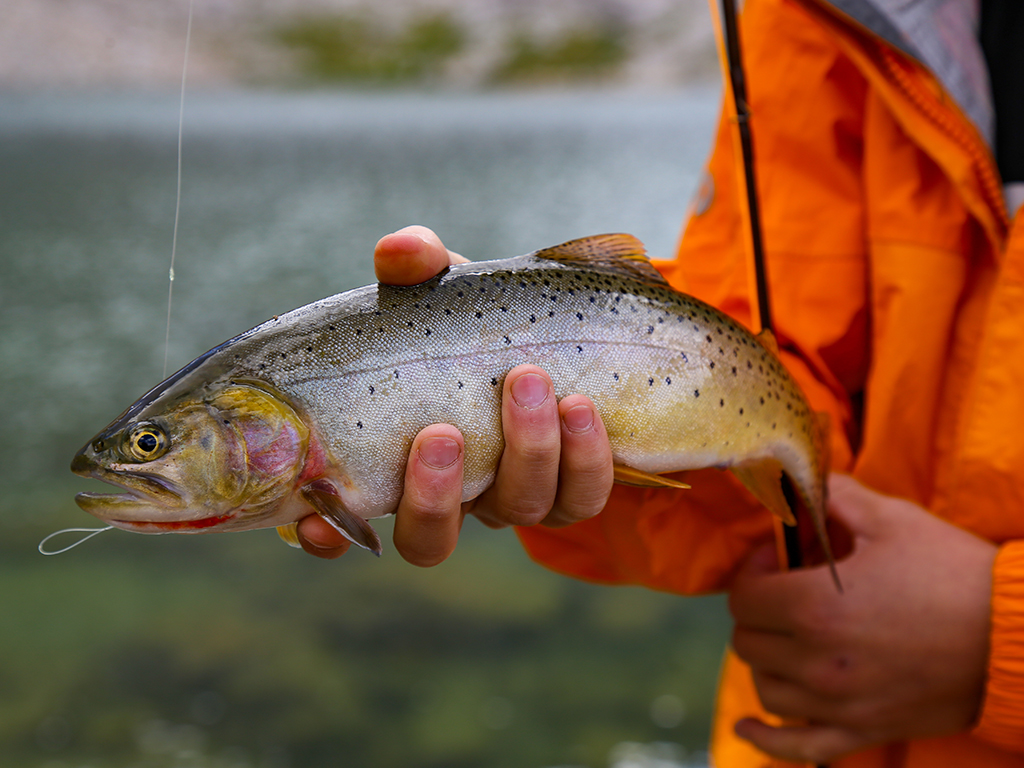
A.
pixel 992 186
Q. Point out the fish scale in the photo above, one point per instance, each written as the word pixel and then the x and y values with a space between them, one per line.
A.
pixel 679 385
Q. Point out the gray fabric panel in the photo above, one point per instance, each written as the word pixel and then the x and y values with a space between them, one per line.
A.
pixel 942 35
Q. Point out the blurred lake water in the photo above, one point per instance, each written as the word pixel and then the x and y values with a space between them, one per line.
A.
pixel 234 651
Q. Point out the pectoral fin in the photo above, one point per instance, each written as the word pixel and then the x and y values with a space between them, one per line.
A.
pixel 763 478
pixel 629 476
pixel 289 534
pixel 768 341
pixel 323 497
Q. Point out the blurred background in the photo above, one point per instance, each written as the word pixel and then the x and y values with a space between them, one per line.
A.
pixel 312 128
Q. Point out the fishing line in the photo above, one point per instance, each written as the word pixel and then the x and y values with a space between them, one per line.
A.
pixel 177 202
pixel 170 283
pixel 91 531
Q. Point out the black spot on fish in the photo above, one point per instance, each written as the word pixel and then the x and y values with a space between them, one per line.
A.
pixel 309 349
pixel 734 370
pixel 650 382
pixel 721 403
pixel 741 411
pixel 685 358
pixel 494 382
pixel 668 381
pixel 650 329
pixel 708 337
pixel 579 316
pixel 696 393
pixel 579 349
pixel 371 390
pixel 479 315
pixel 428 332
pixel 396 374
pixel 460 385
pixel 359 424
pixel 508 340
pixel 712 365
pixel 533 318
pixel 263 366
pixel 616 376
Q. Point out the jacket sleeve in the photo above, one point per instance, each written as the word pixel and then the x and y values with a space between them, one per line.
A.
pixel 1002 715
pixel 807 144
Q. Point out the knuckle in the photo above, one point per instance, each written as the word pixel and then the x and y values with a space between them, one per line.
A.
pixel 830 677
pixel 524 510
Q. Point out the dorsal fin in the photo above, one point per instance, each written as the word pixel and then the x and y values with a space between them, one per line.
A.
pixel 616 254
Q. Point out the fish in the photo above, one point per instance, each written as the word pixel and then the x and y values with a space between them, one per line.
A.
pixel 315 410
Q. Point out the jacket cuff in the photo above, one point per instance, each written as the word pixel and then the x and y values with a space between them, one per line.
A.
pixel 1002 714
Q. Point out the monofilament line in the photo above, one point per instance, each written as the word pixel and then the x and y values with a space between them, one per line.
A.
pixel 177 202
pixel 91 531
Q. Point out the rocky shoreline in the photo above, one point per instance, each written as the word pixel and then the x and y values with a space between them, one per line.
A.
pixel 70 44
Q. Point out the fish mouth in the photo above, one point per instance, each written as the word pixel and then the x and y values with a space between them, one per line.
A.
pixel 144 501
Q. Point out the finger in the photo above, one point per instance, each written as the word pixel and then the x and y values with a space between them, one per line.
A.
pixel 585 472
pixel 783 697
pixel 410 256
pixel 816 744
pixel 321 539
pixel 429 515
pixel 524 489
pixel 768 600
pixel 770 653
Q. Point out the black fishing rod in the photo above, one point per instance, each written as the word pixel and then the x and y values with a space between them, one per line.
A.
pixel 738 81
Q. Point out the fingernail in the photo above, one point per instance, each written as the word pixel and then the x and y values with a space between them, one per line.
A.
pixel 579 419
pixel 529 391
pixel 439 452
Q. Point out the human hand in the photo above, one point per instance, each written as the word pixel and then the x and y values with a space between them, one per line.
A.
pixel 556 467
pixel 901 654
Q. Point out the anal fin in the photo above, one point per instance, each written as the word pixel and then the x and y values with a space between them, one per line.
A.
pixel 763 478
pixel 629 476
pixel 323 497
pixel 290 534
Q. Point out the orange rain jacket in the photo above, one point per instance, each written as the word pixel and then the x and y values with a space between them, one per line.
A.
pixel 897 284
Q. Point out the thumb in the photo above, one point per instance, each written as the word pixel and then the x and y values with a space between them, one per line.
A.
pixel 854 506
pixel 763 559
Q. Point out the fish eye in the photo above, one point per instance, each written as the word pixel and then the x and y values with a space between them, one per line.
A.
pixel 147 442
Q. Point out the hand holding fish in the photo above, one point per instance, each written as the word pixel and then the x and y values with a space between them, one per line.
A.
pixel 902 655
pixel 556 467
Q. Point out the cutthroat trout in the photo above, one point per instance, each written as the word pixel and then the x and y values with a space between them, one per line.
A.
pixel 316 410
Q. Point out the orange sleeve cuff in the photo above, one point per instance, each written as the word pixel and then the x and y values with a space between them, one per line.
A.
pixel 1002 714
